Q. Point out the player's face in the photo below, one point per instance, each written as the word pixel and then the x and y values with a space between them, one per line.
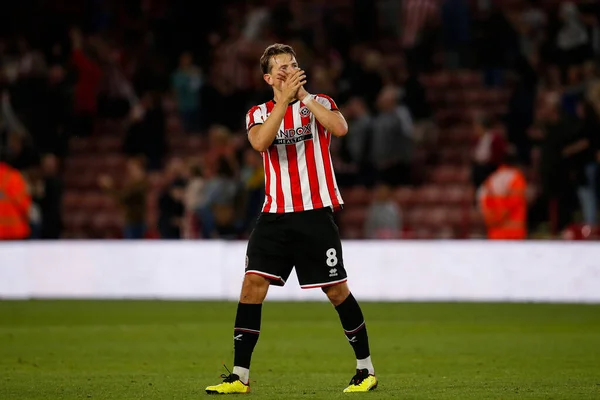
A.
pixel 281 64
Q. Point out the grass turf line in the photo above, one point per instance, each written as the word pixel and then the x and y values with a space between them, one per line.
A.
pixel 173 350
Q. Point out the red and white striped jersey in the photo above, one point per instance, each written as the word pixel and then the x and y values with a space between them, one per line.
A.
pixel 299 172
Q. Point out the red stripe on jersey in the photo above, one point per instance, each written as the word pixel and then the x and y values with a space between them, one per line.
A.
pixel 279 197
pixel 267 166
pixel 250 120
pixel 292 161
pixel 311 166
pixel 325 139
pixel 270 105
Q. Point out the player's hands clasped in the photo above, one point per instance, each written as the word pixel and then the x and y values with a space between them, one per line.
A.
pixel 291 83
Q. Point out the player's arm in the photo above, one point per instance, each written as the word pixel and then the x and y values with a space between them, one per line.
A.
pixel 261 136
pixel 332 120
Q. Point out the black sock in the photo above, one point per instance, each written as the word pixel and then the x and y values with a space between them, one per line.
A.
pixel 245 333
pixel 354 326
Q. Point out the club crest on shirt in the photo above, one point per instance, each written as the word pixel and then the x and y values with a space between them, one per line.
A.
pixel 304 111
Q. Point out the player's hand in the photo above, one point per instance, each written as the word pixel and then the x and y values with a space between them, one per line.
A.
pixel 291 83
pixel 302 93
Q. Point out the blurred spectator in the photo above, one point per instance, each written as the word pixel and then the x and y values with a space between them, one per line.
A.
pixel 131 197
pixel 52 112
pixel 354 166
pixel 363 74
pixel 253 182
pixel 502 200
pixel 489 149
pixel 222 148
pixel 572 40
pixel 172 200
pixel 521 104
pixel 217 210
pixel 171 209
pixel 498 45
pixel 580 157
pixel 193 198
pixel 16 146
pixel 456 32
pixel 552 132
pixel 87 86
pixel 384 218
pixel 51 200
pixel 392 139
pixel 15 204
pixel 35 187
pixel 187 81
pixel 31 62
pixel 117 94
pixel 146 134
pixel 415 97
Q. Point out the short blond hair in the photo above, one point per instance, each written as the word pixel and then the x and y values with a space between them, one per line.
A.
pixel 272 51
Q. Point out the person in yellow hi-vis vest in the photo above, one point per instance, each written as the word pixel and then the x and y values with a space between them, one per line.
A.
pixel 15 201
pixel 502 200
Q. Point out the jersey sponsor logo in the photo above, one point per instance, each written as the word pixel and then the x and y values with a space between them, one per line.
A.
pixel 294 135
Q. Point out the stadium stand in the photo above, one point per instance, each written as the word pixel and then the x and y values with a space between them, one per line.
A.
pixel 445 95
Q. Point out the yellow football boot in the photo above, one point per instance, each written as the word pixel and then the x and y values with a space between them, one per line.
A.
pixel 231 385
pixel 361 382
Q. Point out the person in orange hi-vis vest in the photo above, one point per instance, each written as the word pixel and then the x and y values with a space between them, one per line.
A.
pixel 503 202
pixel 15 201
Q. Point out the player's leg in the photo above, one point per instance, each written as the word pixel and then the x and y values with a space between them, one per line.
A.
pixel 355 329
pixel 320 264
pixel 247 323
pixel 266 264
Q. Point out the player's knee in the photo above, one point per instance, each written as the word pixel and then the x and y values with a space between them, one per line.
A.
pixel 254 289
pixel 337 293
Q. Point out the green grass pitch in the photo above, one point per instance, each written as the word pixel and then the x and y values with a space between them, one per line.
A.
pixel 173 350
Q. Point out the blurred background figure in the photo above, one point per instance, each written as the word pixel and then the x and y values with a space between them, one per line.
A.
pixel 171 201
pixel 503 201
pixel 131 198
pixel 51 200
pixel 187 83
pixel 15 204
pixel 391 142
pixel 95 86
pixel 489 150
pixel 384 218
pixel 253 185
pixel 172 210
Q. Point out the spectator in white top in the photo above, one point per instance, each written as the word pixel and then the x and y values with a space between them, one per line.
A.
pixel 384 218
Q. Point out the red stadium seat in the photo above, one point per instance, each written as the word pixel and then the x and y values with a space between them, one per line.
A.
pixel 429 195
pixel 404 196
pixel 357 196
pixel 353 218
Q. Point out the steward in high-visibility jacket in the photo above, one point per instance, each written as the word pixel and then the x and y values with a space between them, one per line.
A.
pixel 15 202
pixel 503 202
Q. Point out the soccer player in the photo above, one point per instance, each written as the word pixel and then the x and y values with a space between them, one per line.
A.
pixel 296 227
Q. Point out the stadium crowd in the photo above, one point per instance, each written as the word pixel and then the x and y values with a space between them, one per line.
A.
pixel 155 73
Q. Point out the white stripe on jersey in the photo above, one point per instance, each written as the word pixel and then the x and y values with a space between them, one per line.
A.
pixel 272 189
pixel 285 178
pixel 302 165
pixel 323 190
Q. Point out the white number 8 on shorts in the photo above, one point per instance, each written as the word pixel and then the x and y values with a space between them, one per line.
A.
pixel 331 257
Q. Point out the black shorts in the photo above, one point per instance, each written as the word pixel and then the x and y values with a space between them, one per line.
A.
pixel 307 240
